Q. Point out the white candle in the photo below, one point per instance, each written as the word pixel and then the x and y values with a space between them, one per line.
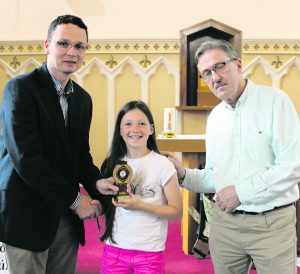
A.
pixel 169 120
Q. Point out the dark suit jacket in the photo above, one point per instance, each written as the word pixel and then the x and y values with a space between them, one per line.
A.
pixel 41 161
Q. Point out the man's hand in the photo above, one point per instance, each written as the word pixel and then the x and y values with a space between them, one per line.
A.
pixel 106 186
pixel 176 162
pixel 88 208
pixel 227 199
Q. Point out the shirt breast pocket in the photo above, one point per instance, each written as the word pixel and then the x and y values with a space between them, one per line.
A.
pixel 258 148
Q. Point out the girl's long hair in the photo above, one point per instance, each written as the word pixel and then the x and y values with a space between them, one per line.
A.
pixel 117 151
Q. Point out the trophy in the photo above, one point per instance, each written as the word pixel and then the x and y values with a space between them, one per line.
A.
pixel 122 175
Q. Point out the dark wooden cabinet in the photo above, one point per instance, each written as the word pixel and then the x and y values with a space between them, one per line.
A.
pixel 193 92
pixel 195 96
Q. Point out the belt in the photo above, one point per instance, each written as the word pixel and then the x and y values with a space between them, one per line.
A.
pixel 258 213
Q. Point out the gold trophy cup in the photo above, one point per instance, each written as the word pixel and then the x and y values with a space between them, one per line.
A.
pixel 122 175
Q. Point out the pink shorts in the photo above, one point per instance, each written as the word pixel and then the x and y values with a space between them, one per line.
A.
pixel 123 261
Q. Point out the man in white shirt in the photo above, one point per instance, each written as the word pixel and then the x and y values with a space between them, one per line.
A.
pixel 252 164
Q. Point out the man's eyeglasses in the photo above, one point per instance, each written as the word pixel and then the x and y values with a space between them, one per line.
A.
pixel 66 45
pixel 217 68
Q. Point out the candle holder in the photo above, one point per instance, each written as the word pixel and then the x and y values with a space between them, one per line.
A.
pixel 169 123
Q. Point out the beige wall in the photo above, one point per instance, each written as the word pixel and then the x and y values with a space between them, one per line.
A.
pixel 117 71
pixel 113 73
pixel 134 51
pixel 156 19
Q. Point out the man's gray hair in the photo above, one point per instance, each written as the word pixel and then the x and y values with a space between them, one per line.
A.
pixel 211 43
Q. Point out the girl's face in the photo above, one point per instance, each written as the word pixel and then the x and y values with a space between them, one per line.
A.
pixel 135 130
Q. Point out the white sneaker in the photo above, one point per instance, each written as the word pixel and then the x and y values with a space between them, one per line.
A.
pixel 298 261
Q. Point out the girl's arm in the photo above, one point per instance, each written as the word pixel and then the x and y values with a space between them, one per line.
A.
pixel 173 208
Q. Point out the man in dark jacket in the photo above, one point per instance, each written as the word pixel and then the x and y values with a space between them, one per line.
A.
pixel 44 156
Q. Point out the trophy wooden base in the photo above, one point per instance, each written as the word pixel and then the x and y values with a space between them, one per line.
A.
pixel 122 197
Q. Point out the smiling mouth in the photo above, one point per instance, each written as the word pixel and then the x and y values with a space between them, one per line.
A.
pixel 70 62
pixel 135 137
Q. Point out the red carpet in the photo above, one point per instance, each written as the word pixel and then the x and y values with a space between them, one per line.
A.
pixel 89 260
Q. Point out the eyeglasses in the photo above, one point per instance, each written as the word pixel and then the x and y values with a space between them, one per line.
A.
pixel 66 45
pixel 217 68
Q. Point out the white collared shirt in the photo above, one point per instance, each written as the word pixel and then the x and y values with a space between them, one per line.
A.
pixel 254 146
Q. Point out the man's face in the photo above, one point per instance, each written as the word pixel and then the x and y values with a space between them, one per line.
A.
pixel 226 82
pixel 63 60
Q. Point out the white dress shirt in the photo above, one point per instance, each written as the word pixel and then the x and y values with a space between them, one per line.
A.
pixel 254 146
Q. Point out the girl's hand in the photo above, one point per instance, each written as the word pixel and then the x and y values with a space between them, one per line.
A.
pixel 127 203
pixel 129 190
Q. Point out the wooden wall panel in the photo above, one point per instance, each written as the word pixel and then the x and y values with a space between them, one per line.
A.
pixel 115 72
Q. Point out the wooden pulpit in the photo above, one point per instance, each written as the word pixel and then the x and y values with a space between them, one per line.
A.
pixel 190 146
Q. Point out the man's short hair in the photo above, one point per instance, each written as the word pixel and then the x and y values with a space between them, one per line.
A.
pixel 211 43
pixel 66 19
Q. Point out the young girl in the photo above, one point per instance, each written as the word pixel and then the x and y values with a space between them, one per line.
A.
pixel 136 227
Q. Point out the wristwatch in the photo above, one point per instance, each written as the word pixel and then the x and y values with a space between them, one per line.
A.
pixel 180 180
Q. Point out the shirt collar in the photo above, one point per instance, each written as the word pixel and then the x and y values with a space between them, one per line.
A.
pixel 243 98
pixel 68 89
